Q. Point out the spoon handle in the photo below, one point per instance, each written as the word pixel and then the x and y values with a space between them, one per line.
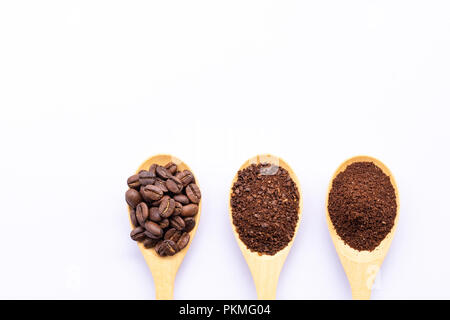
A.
pixel 266 289
pixel 164 272
pixel 164 288
pixel 265 276
pixel 361 276
pixel 361 294
pixel 164 283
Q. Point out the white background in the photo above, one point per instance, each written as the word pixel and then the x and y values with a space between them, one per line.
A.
pixel 89 89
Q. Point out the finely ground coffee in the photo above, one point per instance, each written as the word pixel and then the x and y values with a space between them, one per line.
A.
pixel 265 205
pixel 362 205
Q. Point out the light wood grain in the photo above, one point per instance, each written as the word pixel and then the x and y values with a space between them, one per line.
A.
pixel 265 269
pixel 164 269
pixel 361 267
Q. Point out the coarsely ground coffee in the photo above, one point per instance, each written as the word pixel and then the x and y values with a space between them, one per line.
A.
pixel 362 205
pixel 265 205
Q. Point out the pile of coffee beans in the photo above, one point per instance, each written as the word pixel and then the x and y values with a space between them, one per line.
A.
pixel 265 207
pixel 362 205
pixel 163 204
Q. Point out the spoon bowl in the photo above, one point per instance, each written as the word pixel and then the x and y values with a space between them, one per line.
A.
pixel 164 269
pixel 362 267
pixel 265 269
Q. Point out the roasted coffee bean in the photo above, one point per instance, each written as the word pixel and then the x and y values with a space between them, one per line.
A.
pixel 189 210
pixel 161 184
pixel 146 177
pixel 164 223
pixel 166 248
pixel 151 193
pixel 186 177
pixel 171 167
pixel 177 223
pixel 158 245
pixel 137 234
pixel 193 193
pixel 152 169
pixel 166 207
pixel 172 234
pixel 150 243
pixel 171 247
pixel 178 209
pixel 133 218
pixel 154 215
pixel 142 213
pixel 157 203
pixel 183 241
pixel 189 224
pixel 133 198
pixel 154 229
pixel 181 198
pixel 150 235
pixel 174 184
pixel 162 172
pixel 162 204
pixel 133 182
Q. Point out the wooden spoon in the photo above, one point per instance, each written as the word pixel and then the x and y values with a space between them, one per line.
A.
pixel 164 269
pixel 266 269
pixel 361 267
